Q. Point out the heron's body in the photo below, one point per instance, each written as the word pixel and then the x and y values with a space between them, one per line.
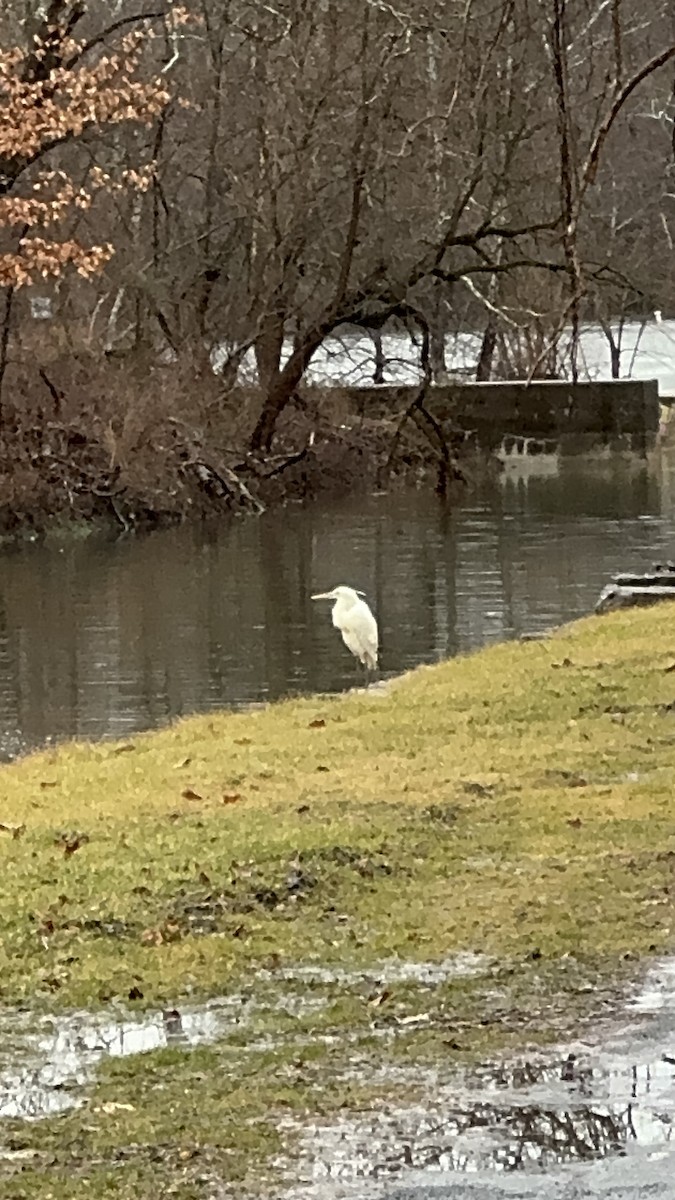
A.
pixel 356 623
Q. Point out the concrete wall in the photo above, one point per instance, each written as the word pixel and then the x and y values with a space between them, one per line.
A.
pixel 586 412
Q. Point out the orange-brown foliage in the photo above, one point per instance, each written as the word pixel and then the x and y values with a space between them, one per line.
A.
pixel 49 100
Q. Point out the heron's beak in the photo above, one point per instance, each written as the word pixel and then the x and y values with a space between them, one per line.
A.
pixel 323 596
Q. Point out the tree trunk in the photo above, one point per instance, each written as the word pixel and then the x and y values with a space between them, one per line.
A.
pixel 615 358
pixel 487 349
pixel 614 348
pixel 4 342
pixel 380 360
pixel 437 326
pixel 280 391
pixel 439 369
pixel 267 349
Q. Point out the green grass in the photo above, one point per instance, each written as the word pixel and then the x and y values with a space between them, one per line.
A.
pixel 519 803
pixel 485 804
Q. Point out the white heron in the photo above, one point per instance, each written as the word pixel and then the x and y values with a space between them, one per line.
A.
pixel 356 623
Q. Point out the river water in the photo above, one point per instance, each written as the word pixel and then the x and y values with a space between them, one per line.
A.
pixel 104 637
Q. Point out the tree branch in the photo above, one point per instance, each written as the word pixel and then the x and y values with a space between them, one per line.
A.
pixel 590 167
pixel 114 27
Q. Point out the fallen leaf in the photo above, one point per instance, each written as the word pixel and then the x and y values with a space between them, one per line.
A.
pixel 189 794
pixel 473 787
pixel 379 999
pixel 317 723
pixel 71 842
pixel 16 831
pixel 230 797
pixel 150 937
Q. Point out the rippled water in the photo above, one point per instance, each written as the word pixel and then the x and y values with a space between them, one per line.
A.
pixel 102 637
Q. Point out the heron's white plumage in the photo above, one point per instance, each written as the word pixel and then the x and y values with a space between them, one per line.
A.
pixel 352 616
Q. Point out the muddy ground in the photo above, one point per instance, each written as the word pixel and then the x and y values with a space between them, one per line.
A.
pixel 589 1117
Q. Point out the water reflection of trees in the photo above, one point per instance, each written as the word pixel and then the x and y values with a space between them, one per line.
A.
pixel 49 1068
pixel 32 1092
pixel 515 1136
pixel 508 1126
pixel 103 639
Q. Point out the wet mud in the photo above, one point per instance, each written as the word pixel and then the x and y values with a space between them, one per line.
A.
pixel 589 1118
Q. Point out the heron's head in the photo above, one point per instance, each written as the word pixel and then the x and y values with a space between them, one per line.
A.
pixel 339 593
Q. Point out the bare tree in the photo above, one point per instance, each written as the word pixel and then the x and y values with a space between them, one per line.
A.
pixel 377 165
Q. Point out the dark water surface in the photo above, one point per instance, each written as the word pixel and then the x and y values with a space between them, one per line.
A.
pixel 104 637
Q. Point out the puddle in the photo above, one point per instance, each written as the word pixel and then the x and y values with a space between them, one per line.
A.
pixel 578 1111
pixel 44 1063
pixel 586 1107
pixel 391 970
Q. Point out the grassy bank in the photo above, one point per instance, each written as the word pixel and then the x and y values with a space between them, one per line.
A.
pixel 517 803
